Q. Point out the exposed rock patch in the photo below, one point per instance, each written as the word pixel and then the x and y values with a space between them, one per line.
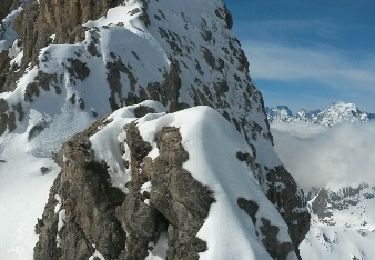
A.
pixel 89 204
pixel 282 193
pixel 276 249
pixel 78 69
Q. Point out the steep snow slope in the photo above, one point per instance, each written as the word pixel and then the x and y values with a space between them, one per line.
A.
pixel 338 113
pixel 182 55
pixel 25 181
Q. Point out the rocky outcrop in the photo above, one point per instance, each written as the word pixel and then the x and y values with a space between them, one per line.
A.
pixel 177 204
pixel 84 219
pixel 282 194
pixel 84 213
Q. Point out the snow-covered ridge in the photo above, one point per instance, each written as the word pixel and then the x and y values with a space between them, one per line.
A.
pixel 338 113
pixel 183 55
pixel 343 224
pixel 204 134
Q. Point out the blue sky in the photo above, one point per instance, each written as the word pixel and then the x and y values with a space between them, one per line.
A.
pixel 309 53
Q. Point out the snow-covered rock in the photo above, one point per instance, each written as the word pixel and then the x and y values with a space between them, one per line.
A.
pixel 343 224
pixel 198 183
pixel 73 62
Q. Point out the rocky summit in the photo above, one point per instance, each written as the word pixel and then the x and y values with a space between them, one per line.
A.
pixel 132 130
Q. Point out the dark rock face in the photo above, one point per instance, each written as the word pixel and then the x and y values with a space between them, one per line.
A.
pixel 6 6
pixel 122 226
pixel 282 193
pixel 276 249
pixel 249 206
pixel 326 202
pixel 177 204
pixel 89 203
pixel 183 201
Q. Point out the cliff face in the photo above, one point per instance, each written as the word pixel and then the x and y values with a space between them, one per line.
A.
pixel 65 66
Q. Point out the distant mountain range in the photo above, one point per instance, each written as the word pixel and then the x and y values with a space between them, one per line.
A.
pixel 337 113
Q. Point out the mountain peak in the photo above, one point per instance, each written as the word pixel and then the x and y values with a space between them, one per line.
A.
pixel 337 113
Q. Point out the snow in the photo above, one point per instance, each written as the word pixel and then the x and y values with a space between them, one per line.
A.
pixel 60 225
pixel 336 243
pixel 24 191
pixel 7 34
pixel 159 251
pixel 97 255
pixel 352 235
pixel 339 112
pixel 58 206
pixel 146 187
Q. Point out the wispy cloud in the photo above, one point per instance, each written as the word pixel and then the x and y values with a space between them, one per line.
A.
pixel 287 30
pixel 318 157
pixel 329 66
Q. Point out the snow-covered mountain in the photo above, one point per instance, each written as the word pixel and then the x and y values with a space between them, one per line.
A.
pixel 335 166
pixel 155 178
pixel 343 223
pixel 337 113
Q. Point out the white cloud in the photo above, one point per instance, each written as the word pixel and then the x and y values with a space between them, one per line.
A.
pixel 334 68
pixel 319 157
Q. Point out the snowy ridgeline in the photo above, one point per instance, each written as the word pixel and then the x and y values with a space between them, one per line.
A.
pixel 338 113
pixel 184 56
pixel 335 166
pixel 212 144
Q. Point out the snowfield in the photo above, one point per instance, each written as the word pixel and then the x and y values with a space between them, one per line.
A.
pixel 25 181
